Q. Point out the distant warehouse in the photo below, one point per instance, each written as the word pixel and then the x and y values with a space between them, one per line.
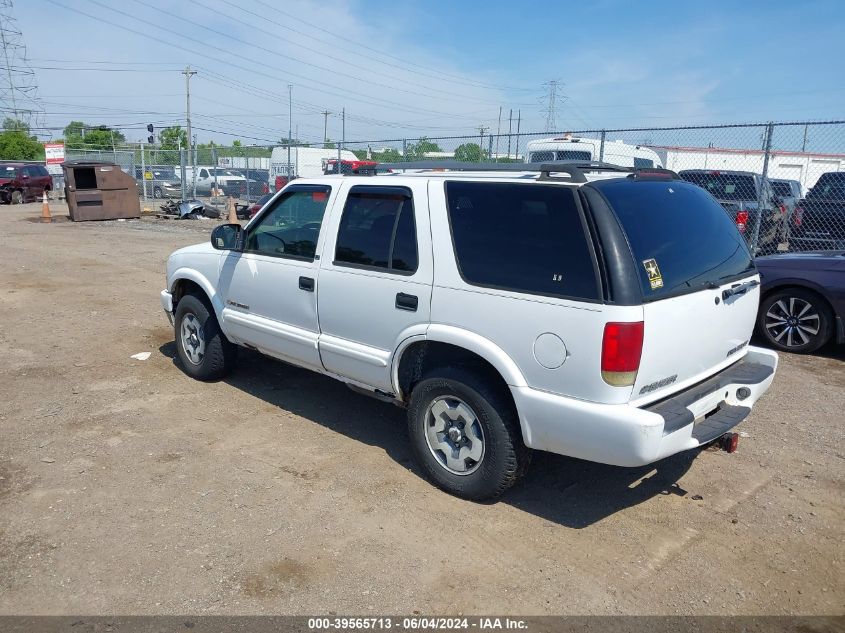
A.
pixel 805 167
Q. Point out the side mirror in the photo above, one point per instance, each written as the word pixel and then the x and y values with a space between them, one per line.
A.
pixel 227 237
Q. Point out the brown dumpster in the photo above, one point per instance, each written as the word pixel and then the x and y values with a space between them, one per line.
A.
pixel 99 191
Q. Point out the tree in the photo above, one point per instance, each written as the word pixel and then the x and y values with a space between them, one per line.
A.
pixel 173 137
pixel 293 142
pixel 469 152
pixel 389 155
pixel 418 150
pixel 329 144
pixel 16 143
pixel 79 134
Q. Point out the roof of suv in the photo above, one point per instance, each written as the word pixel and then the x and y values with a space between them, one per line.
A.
pixel 729 172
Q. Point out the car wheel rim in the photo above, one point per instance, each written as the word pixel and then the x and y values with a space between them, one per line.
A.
pixel 792 322
pixel 454 435
pixel 193 342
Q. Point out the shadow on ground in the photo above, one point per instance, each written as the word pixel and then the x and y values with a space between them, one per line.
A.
pixel 571 492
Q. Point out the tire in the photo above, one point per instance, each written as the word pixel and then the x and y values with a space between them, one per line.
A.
pixel 156 192
pixel 204 351
pixel 17 197
pixel 475 404
pixel 795 320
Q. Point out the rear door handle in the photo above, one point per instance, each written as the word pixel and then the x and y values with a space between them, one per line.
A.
pixel 306 283
pixel 407 302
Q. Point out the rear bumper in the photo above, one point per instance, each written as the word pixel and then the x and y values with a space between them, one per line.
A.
pixel 623 435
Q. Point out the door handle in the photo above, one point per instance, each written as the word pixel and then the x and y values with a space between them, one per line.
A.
pixel 306 283
pixel 406 302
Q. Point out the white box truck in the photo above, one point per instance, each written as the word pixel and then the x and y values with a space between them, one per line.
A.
pixel 305 162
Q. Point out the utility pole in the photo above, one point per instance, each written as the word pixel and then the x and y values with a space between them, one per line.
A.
pixel 325 114
pixel 290 124
pixel 804 144
pixel 481 130
pixel 510 128
pixel 342 140
pixel 518 121
pixel 188 74
pixel 498 133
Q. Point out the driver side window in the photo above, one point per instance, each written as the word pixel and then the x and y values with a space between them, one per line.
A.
pixel 203 173
pixel 290 227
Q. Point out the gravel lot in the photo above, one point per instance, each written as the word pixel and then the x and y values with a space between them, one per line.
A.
pixel 126 487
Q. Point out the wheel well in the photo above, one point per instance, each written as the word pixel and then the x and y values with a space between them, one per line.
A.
pixel 187 287
pixel 422 357
pixel 787 286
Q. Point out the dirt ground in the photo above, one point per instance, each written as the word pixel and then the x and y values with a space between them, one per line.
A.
pixel 126 487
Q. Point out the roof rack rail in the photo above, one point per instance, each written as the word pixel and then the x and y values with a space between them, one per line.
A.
pixel 575 169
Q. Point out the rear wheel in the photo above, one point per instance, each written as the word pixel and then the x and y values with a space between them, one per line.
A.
pixel 795 320
pixel 156 192
pixel 465 434
pixel 203 349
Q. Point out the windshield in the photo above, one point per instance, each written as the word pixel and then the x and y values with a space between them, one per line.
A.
pixel 830 185
pixel 682 240
pixel 225 172
pixel 723 186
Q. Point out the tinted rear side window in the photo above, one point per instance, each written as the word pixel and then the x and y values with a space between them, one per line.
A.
pixel 377 230
pixel 680 237
pixel 782 189
pixel 521 237
pixel 723 186
pixel 829 185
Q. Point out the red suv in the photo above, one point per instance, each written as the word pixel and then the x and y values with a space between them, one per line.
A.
pixel 20 182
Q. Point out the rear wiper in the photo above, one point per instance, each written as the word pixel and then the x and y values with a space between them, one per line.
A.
pixel 739 289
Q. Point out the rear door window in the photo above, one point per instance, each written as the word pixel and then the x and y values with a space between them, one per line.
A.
pixel 521 237
pixel 682 240
pixel 377 230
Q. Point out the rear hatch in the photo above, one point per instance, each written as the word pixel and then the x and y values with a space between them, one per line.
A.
pixel 699 284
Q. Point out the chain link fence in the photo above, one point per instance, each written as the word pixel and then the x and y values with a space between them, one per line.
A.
pixel 782 183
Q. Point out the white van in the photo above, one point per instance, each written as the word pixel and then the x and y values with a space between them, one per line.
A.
pixel 589 149
pixel 305 162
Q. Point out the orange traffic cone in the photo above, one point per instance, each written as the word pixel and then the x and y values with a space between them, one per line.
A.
pixel 45 210
pixel 233 214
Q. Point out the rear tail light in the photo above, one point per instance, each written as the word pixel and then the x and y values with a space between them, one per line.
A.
pixel 783 209
pixel 621 350
pixel 798 216
pixel 265 188
pixel 281 181
pixel 742 221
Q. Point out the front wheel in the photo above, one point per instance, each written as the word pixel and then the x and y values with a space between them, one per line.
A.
pixel 465 434
pixel 795 320
pixel 156 192
pixel 17 197
pixel 203 349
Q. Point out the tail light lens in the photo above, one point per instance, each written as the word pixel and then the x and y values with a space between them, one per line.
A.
pixel 742 221
pixel 265 188
pixel 281 181
pixel 798 216
pixel 621 350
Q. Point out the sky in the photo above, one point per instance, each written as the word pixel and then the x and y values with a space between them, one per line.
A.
pixel 410 68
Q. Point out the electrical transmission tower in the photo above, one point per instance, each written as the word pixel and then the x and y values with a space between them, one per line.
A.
pixel 18 87
pixel 551 100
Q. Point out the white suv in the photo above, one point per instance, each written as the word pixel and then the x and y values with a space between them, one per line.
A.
pixel 591 311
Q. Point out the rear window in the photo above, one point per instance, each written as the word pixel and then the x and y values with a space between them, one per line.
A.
pixel 521 237
pixel 680 237
pixel 541 157
pixel 569 154
pixel 723 186
pixel 782 189
pixel 830 185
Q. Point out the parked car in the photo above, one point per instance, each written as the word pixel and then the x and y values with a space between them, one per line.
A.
pixel 742 193
pixel 21 182
pixel 256 206
pixel 819 219
pixel 802 303
pixel 506 309
pixel 162 181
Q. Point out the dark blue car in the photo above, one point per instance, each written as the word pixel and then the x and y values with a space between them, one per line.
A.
pixel 802 304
